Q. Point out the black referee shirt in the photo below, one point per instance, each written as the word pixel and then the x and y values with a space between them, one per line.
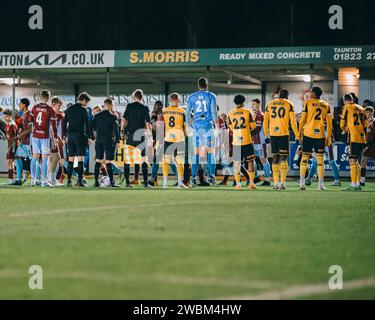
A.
pixel 137 115
pixel 76 121
pixel 106 126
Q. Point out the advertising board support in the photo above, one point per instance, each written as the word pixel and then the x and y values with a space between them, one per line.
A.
pixel 108 80
pixel 14 93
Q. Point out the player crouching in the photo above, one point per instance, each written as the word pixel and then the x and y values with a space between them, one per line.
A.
pixel 174 140
pixel 106 127
pixel 241 123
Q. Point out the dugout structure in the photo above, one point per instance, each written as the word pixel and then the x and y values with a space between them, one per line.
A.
pixel 254 72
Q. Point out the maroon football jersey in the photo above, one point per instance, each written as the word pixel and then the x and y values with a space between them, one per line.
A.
pixel 10 131
pixel 26 120
pixel 44 117
pixel 370 130
pixel 258 118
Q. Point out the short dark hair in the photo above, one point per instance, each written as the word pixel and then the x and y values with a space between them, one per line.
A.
pixel 56 100
pixel 256 100
pixel 158 103
pixel 348 97
pixel 25 101
pixel 317 91
pixel 202 83
pixel 108 101
pixel 45 94
pixel 239 99
pixel 284 94
pixel 367 101
pixel 138 94
pixel 8 112
pixel 174 96
pixel 369 108
pixel 84 96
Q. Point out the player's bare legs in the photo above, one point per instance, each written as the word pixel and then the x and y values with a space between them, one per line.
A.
pixel 53 161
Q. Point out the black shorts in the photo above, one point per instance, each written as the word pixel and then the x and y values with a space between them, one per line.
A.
pixel 313 144
pixel 105 149
pixel 174 148
pixel 356 150
pixel 243 153
pixel 137 143
pixel 280 145
pixel 77 143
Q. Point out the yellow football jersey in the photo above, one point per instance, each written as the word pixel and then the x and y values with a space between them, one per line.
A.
pixel 174 119
pixel 241 123
pixel 279 113
pixel 353 120
pixel 315 114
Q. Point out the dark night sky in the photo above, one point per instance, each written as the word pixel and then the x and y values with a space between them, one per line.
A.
pixel 164 24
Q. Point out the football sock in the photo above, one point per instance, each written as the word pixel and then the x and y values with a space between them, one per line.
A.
pixel 195 165
pixel 358 180
pixel 154 171
pixel 44 168
pixel 174 169
pixel 165 169
pixel 10 174
pixel 267 170
pixel 211 166
pixel 97 170
pixel 283 171
pixel 180 172
pixel 237 178
pixel 59 172
pixel 127 173
pixel 313 168
pixel 70 170
pixel 19 169
pixel 353 174
pixel 363 175
pixel 275 171
pixel 335 170
pixel 303 168
pixel 145 173
pixel 33 168
pixel 37 170
pixel 251 177
pixel 320 161
pixel 136 171
pixel 110 171
pixel 187 172
pixel 80 171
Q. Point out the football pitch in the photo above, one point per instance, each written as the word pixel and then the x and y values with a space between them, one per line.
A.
pixel 206 243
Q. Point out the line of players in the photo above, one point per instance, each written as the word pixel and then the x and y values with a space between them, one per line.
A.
pixel 45 129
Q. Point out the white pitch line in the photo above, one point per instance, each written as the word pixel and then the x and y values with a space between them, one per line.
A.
pixel 159 278
pixel 126 206
pixel 305 290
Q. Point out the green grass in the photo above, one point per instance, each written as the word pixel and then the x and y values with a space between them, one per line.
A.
pixel 183 244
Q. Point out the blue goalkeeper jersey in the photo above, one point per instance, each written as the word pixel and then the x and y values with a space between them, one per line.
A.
pixel 203 106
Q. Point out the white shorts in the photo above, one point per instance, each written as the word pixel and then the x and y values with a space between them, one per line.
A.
pixel 259 150
pixel 41 146
pixel 23 151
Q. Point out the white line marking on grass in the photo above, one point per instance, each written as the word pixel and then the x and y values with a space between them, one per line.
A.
pixel 126 206
pixel 160 278
pixel 305 290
